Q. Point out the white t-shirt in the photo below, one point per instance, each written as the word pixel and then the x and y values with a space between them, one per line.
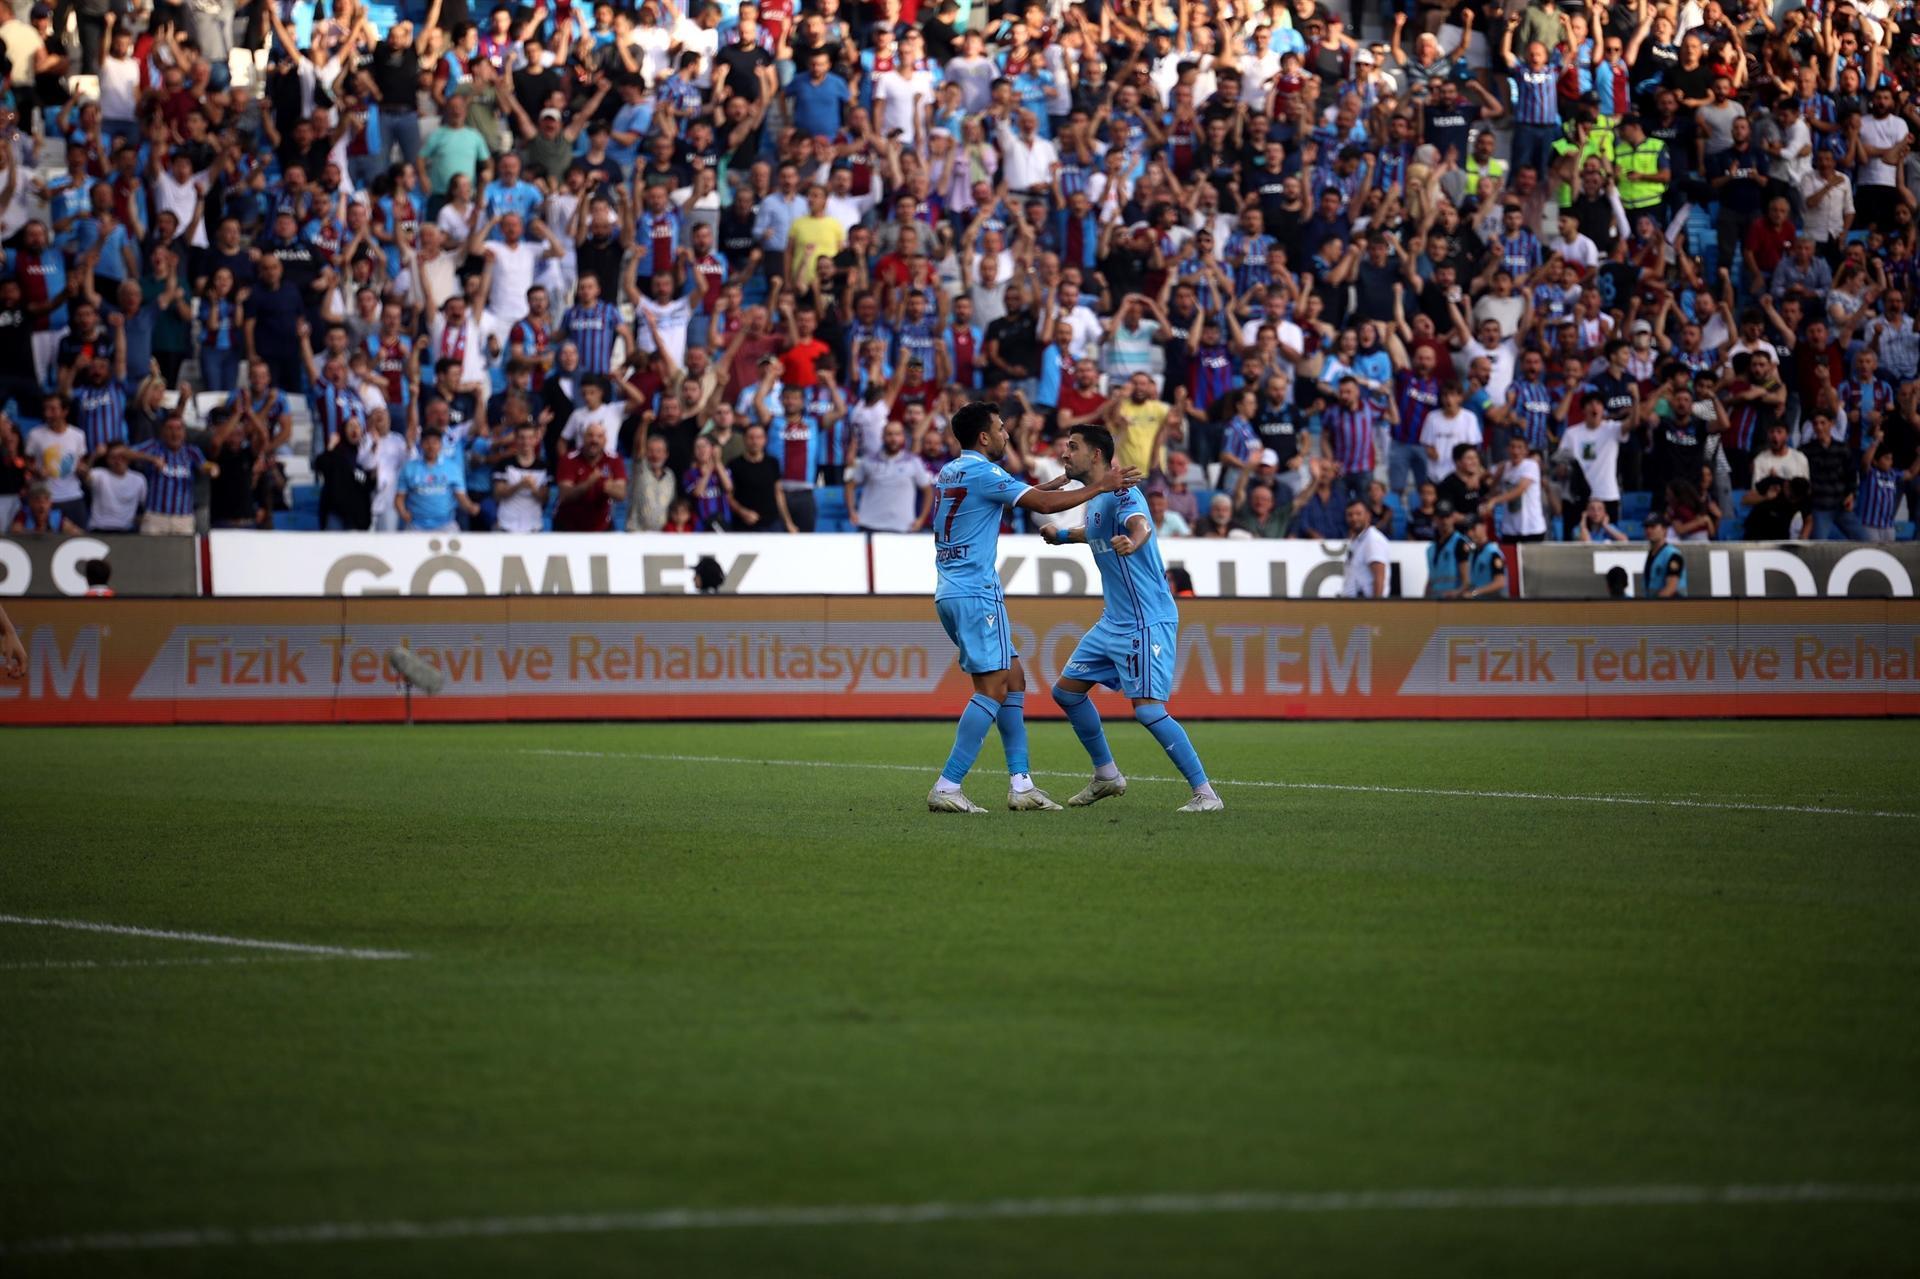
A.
pixel 179 198
pixel 1597 450
pixel 1879 134
pixel 607 415
pixel 900 98
pixel 672 320
pixel 116 498
pixel 513 267
pixel 1086 330
pixel 1791 465
pixel 522 511
pixel 1503 356
pixel 1525 515
pixel 57 454
pixel 1442 433
pixel 869 425
pixel 1363 553
pixel 119 85
pixel 384 455
pixel 975 76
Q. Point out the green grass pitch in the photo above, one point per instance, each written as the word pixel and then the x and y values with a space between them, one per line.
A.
pixel 643 984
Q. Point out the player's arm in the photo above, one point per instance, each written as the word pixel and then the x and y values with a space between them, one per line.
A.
pixel 1054 535
pixel 1053 498
pixel 13 654
pixel 1139 529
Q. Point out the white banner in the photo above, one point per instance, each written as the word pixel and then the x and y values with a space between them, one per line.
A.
pixel 1221 569
pixel 330 564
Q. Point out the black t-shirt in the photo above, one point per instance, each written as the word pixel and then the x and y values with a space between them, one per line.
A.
pixel 1464 497
pixel 754 486
pixel 1679 446
pixel 1770 521
pixel 531 89
pixel 679 435
pixel 16 346
pixel 737 241
pixel 1376 289
pixel 396 74
pixel 346 487
pixel 1697 83
pixel 1447 127
pixel 599 257
pixel 232 492
pixel 741 64
pixel 1279 429
pixel 1017 334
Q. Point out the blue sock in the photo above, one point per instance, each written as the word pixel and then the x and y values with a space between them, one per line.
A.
pixel 1173 739
pixel 1085 718
pixel 975 721
pixel 1013 732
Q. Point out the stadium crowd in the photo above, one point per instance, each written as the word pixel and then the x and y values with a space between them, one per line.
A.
pixel 1499 273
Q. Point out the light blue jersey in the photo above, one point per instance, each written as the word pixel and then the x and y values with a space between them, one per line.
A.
pixel 1136 584
pixel 1131 647
pixel 970 496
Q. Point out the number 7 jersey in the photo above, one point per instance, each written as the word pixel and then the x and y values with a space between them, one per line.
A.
pixel 970 495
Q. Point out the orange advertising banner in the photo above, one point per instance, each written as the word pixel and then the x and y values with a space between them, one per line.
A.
pixel 133 661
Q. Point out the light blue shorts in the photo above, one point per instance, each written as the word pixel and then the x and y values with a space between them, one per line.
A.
pixel 1137 660
pixel 978 627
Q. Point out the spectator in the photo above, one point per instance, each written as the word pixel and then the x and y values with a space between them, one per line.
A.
pixel 1596 525
pixel 115 492
pixel 890 492
pixel 655 487
pixel 346 483
pixel 591 480
pixel 1219 518
pixel 1319 512
pixel 57 455
pixel 521 482
pixel 432 486
pixel 1364 576
pixel 1166 522
pixel 1261 515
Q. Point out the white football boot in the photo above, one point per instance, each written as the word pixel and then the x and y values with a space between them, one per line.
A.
pixel 1034 800
pixel 1098 789
pixel 951 801
pixel 1201 804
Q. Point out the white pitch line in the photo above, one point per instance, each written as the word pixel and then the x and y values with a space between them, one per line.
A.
pixel 206 939
pixel 1460 1199
pixel 1428 792
pixel 47 964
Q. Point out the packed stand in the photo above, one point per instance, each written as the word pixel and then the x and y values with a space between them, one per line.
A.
pixel 1498 275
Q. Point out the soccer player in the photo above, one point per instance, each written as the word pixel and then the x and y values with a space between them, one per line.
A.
pixel 970 495
pixel 1131 647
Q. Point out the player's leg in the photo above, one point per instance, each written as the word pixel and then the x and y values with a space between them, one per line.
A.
pixel 1090 664
pixel 1022 795
pixel 1174 741
pixel 1149 682
pixel 967 626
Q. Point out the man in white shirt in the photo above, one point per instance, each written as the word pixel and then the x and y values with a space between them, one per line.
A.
pixel 455 334
pixel 513 261
pixel 117 491
pixel 1594 445
pixel 1497 351
pixel 383 453
pixel 1827 196
pixel 1780 459
pixel 58 450
pixel 889 492
pixel 1365 574
pixel 665 319
pixel 974 72
pixel 1445 427
pixel 1517 496
pixel 900 94
pixel 1881 134
pixel 1026 158
pixel 1071 311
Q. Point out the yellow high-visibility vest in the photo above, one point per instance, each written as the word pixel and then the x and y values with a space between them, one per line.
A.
pixel 1638 163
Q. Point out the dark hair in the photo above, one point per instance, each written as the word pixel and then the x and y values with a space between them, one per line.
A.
pixel 98 572
pixel 972 420
pixel 1097 438
pixel 1617 582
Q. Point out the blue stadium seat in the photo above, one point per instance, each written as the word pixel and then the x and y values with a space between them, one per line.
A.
pixel 1903 531
pixel 1635 505
pixel 1634 529
pixel 831 503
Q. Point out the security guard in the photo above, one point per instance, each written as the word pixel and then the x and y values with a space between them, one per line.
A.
pixel 1666 570
pixel 1642 167
pixel 1446 555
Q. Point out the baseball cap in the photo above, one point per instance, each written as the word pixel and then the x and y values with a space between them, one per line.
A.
pixel 1364 56
pixel 551 113
pixel 1443 507
pixel 1269 458
pixel 1641 326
